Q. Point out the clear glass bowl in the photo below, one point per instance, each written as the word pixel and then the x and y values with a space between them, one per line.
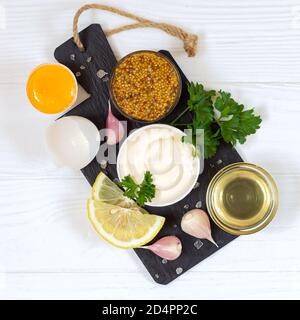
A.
pixel 242 198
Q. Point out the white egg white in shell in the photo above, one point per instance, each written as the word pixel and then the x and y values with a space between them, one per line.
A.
pixel 73 141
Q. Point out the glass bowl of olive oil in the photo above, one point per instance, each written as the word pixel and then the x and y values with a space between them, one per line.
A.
pixel 242 198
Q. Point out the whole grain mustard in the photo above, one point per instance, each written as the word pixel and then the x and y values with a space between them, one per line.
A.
pixel 145 86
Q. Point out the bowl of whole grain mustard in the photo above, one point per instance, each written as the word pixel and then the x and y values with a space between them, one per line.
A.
pixel 145 86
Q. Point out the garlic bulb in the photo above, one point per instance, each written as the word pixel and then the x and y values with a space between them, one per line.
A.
pixel 196 223
pixel 168 247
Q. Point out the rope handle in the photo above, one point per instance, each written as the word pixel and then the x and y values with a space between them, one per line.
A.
pixel 189 40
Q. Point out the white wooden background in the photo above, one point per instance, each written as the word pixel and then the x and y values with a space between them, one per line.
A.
pixel 47 247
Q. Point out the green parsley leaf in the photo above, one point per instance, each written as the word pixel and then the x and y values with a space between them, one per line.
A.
pixel 147 189
pixel 130 187
pixel 211 109
pixel 140 193
pixel 235 124
pixel 200 102
pixel 249 123
pixel 226 105
pixel 211 143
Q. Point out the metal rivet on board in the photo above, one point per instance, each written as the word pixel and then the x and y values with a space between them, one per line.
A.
pixel 156 275
pixel 72 57
pixel 78 74
pixel 219 161
pixel 164 261
pixel 89 59
pixel 82 67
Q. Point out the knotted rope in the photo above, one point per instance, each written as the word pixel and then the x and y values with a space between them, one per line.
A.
pixel 189 40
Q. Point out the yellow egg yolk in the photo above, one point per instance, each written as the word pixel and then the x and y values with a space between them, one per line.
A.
pixel 51 88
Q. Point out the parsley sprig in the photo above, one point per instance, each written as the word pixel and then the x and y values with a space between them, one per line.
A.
pixel 220 116
pixel 141 193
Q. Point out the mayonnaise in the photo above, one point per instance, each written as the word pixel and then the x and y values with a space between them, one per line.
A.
pixel 159 149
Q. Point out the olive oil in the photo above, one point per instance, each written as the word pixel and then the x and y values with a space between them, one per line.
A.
pixel 242 198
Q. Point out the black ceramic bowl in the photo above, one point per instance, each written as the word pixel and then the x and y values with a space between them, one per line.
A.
pixel 171 107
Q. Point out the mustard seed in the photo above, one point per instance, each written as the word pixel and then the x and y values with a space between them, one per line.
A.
pixel 145 86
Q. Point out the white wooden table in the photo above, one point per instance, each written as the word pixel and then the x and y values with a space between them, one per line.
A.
pixel 47 247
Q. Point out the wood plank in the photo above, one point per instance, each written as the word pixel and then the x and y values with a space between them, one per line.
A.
pixel 250 41
pixel 110 285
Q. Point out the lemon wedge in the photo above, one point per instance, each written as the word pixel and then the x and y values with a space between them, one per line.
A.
pixel 107 191
pixel 123 227
pixel 118 219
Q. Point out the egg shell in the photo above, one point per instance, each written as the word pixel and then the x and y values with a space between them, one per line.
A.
pixel 73 141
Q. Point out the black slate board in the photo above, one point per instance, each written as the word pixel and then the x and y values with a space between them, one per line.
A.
pixel 99 56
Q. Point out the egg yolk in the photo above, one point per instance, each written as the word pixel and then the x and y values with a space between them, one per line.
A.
pixel 51 88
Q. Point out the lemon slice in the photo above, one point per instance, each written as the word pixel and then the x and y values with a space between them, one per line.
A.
pixel 123 227
pixel 107 191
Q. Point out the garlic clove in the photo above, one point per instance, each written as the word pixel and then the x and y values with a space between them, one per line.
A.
pixel 114 128
pixel 212 241
pixel 196 223
pixel 168 247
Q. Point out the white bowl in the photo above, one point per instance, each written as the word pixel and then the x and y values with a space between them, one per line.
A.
pixel 189 184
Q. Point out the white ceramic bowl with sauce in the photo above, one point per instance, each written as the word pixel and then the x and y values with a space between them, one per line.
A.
pixel 158 148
